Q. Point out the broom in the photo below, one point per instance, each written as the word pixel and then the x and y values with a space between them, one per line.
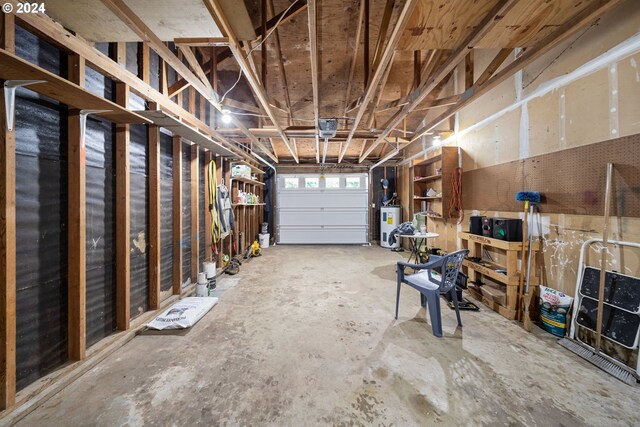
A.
pixel 529 198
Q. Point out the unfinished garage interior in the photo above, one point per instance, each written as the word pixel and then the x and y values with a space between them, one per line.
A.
pixel 320 212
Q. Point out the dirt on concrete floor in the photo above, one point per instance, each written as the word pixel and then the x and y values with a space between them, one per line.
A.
pixel 305 335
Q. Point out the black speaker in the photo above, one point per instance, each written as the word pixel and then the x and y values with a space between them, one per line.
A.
pixel 507 229
pixel 487 226
pixel 475 225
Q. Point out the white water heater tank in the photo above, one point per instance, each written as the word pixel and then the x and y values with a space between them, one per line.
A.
pixel 390 218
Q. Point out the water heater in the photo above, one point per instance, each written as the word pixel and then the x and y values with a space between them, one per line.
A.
pixel 390 218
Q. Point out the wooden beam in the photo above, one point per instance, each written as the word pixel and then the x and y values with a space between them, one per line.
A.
pixel 263 48
pixel 384 63
pixel 495 63
pixel 354 57
pixel 7 237
pixel 77 227
pixel 225 54
pixel 366 57
pixel 581 20
pixel 488 22
pixel 123 216
pixel 177 215
pixel 382 33
pixel 283 74
pixel 56 34
pixel 313 54
pixel 188 54
pixel 417 68
pixel 207 213
pixel 201 41
pixel 468 70
pixel 143 62
pixel 153 133
pixel 195 211
pixel 217 14
pixel 122 11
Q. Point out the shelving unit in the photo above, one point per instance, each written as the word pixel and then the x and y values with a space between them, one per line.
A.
pixel 248 216
pixel 426 175
pixel 503 296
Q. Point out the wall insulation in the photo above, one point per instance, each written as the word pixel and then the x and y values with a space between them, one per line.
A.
pixel 186 212
pixel 166 212
pixel 139 196
pixel 41 223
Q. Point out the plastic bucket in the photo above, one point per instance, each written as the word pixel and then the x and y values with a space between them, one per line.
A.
pixel 264 240
pixel 201 290
pixel 209 269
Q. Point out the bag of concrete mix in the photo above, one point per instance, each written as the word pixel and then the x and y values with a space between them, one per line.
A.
pixel 554 307
pixel 183 314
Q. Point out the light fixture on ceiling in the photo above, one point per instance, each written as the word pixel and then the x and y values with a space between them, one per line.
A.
pixel 226 117
pixel 436 140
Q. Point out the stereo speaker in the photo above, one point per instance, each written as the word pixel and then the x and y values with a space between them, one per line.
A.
pixel 507 229
pixel 475 225
pixel 487 227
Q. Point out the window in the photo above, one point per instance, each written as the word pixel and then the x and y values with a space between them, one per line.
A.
pixel 291 183
pixel 353 182
pixel 332 182
pixel 311 182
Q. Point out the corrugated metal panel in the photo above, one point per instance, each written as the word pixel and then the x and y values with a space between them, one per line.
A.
pixel 186 212
pixel 139 220
pixel 166 212
pixel 100 230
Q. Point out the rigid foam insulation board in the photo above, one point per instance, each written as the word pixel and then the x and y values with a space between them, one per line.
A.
pixel 186 212
pixel 41 226
pixel 139 225
pixel 166 212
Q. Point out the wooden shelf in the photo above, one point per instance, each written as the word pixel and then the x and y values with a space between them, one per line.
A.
pixel 253 168
pixel 487 268
pixel 431 160
pixel 496 243
pixel 247 204
pixel 489 302
pixel 247 180
pixel 62 90
pixel 427 198
pixel 167 121
pixel 428 178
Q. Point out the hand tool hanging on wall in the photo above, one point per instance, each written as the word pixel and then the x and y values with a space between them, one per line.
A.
pixel 213 206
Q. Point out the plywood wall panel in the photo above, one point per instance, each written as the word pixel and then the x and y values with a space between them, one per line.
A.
pixel 587 110
pixel 629 95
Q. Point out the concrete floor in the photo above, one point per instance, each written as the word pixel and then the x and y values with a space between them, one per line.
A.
pixel 306 336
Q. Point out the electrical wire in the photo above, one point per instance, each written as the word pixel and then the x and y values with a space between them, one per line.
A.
pixel 264 39
pixel 455 205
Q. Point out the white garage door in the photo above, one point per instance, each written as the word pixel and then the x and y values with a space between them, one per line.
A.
pixel 323 209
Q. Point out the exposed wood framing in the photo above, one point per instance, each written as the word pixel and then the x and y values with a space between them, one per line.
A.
pixel 143 62
pixel 122 11
pixel 153 133
pixel 195 211
pixel 177 215
pixel 7 239
pixel 225 54
pixel 365 50
pixel 105 65
pixel 354 58
pixel 495 63
pixel 123 216
pixel 384 63
pixel 313 51
pixel 417 68
pixel 488 22
pixel 217 14
pixel 382 33
pixel 77 227
pixel 201 41
pixel 566 30
pixel 468 70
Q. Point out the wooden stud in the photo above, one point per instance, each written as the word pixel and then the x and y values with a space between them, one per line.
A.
pixel 153 133
pixel 207 213
pixel 195 211
pixel 417 67
pixel 7 32
pixel 123 216
pixel 177 215
pixel 263 51
pixel 7 261
pixel 367 60
pixel 382 33
pixel 143 62
pixel 164 82
pixel 77 227
pixel 468 70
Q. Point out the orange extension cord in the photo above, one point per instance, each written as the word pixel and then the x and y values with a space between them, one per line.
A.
pixel 455 205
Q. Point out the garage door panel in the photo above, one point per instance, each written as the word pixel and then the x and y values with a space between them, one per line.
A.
pixel 322 215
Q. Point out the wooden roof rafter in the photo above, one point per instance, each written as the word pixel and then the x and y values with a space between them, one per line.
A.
pixel 378 73
pixel 313 56
pixel 490 79
pixel 487 23
pixel 217 14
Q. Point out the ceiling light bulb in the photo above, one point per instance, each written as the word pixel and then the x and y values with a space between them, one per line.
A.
pixel 436 140
pixel 226 117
